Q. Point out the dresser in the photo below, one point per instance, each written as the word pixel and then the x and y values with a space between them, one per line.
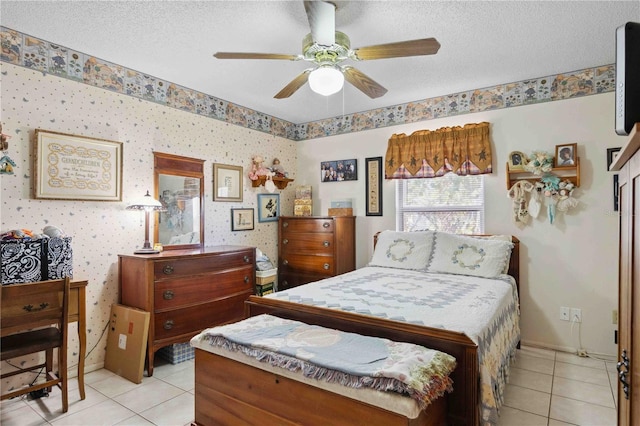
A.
pixel 312 248
pixel 187 291
pixel 628 167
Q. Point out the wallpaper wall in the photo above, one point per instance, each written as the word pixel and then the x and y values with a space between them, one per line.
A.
pixel 102 230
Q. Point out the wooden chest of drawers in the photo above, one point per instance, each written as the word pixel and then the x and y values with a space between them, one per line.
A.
pixel 187 291
pixel 311 248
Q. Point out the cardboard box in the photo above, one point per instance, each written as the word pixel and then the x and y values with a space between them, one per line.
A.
pixel 127 342
pixel 266 277
pixel 177 353
pixel 341 212
pixel 264 289
pixel 303 192
pixel 303 210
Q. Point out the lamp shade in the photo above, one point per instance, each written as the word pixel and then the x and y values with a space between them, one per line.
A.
pixel 146 202
pixel 326 80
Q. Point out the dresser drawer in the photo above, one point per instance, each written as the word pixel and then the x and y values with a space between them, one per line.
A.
pixel 287 280
pixel 197 318
pixel 305 243
pixel 313 264
pixel 164 269
pixel 180 291
pixel 307 225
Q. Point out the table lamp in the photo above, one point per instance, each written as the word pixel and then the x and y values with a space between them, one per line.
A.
pixel 148 204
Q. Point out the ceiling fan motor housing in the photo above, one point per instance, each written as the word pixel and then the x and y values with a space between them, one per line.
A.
pixel 322 55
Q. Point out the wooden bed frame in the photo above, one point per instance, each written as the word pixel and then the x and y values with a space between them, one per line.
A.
pixel 255 396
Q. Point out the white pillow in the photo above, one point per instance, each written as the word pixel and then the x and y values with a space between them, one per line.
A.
pixel 403 250
pixel 457 254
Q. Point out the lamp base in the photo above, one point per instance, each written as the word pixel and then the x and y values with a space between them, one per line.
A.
pixel 146 251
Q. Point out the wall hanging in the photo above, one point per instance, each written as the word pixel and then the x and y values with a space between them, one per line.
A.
pixel 543 182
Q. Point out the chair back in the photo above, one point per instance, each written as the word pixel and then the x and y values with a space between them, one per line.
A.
pixel 32 305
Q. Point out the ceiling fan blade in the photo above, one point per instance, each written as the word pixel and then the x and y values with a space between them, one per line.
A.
pixel 363 82
pixel 322 21
pixel 425 46
pixel 242 55
pixel 295 84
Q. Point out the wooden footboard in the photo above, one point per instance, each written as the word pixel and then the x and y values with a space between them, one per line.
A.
pixel 462 404
pixel 231 393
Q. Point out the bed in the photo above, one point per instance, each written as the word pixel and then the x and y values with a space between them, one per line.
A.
pixel 483 347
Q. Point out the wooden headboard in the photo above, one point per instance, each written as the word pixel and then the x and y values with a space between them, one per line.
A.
pixel 514 261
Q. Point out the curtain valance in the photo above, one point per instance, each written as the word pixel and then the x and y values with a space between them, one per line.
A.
pixel 424 154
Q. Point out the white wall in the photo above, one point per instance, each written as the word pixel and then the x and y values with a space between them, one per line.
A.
pixel 572 262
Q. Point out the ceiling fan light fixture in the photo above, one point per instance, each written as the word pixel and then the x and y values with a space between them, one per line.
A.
pixel 326 80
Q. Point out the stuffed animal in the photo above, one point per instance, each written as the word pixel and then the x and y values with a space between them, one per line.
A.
pixel 257 168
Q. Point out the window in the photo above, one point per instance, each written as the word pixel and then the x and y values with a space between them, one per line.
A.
pixel 450 203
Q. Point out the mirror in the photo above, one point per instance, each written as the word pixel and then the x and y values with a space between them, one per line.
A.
pixel 179 186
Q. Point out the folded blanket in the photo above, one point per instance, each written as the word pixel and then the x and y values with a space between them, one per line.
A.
pixel 335 356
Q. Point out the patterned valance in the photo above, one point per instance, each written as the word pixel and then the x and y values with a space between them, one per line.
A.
pixel 426 153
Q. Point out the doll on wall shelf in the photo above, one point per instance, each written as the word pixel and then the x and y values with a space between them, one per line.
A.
pixel 277 168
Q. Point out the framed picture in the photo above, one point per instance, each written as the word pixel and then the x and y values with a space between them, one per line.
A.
pixel 268 207
pixel 227 182
pixel 566 155
pixel 71 167
pixel 612 155
pixel 339 171
pixel 373 173
pixel 241 219
pixel 517 160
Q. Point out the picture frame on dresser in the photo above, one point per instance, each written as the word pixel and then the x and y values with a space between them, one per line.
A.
pixel 74 167
pixel 373 185
pixel 242 219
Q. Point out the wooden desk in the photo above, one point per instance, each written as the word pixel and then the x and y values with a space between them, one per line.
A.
pixel 78 312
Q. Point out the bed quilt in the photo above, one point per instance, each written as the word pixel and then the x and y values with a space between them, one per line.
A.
pixel 486 310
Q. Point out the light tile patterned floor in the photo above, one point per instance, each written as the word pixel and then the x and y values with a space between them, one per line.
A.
pixel 546 388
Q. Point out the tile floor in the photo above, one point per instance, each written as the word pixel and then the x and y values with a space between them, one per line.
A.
pixel 546 388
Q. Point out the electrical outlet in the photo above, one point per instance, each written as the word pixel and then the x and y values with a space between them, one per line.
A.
pixel 565 313
pixel 576 315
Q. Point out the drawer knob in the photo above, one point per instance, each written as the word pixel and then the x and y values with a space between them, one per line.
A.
pixel 285 224
pixel 285 262
pixel 285 241
pixel 325 243
pixel 246 259
pixel 326 225
pixel 168 294
pixel 168 324
pixel 246 279
pixel 168 269
pixel 325 266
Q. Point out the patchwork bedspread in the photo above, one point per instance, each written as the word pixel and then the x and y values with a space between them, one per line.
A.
pixel 486 310
pixel 338 357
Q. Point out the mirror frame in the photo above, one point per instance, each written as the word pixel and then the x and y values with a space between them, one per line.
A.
pixel 170 164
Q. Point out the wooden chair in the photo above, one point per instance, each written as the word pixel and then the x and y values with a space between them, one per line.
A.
pixel 34 319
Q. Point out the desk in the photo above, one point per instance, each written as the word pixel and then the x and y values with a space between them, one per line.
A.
pixel 78 312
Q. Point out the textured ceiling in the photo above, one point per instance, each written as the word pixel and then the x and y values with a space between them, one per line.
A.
pixel 484 43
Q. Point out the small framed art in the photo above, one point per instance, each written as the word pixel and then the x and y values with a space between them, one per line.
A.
pixel 227 182
pixel 242 219
pixel 339 171
pixel 268 207
pixel 566 155
pixel 517 160
pixel 612 155
pixel 373 173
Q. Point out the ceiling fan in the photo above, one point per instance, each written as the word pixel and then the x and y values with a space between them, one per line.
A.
pixel 327 48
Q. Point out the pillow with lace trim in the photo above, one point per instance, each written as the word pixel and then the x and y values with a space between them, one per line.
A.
pixel 403 250
pixel 457 254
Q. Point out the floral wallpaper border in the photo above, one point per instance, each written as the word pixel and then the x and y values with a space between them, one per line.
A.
pixel 31 52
